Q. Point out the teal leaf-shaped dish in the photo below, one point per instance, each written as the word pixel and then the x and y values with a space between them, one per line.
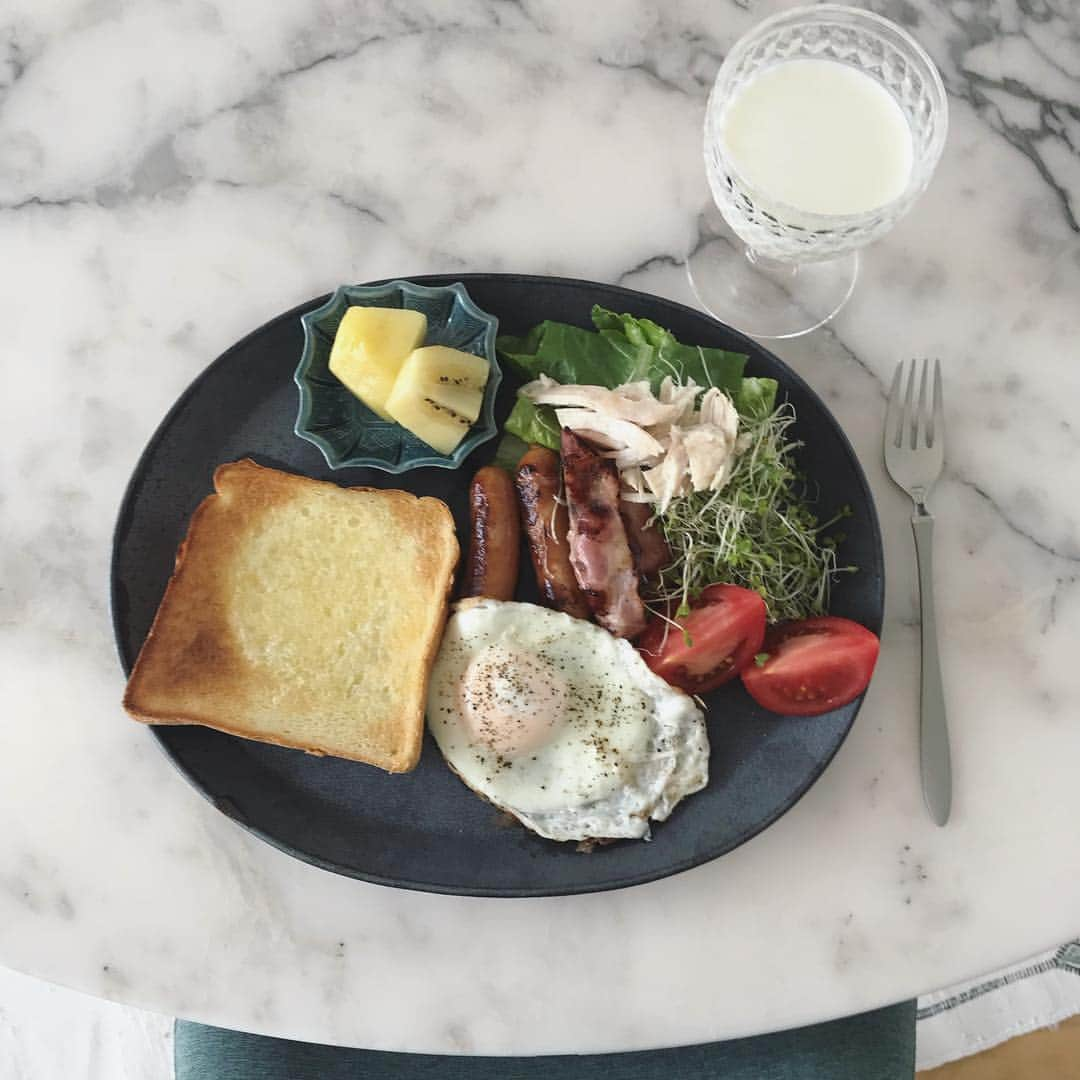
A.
pixel 346 431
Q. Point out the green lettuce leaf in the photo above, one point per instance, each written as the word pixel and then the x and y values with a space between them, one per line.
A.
pixel 567 354
pixel 756 397
pixel 623 349
pixel 533 424
pixel 639 331
pixel 707 367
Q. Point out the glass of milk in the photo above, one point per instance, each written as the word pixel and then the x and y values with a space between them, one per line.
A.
pixel 823 127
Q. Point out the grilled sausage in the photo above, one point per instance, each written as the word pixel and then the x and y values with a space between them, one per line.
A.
pixel 599 550
pixel 647 544
pixel 546 525
pixel 495 536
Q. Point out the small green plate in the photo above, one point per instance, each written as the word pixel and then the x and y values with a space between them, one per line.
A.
pixel 346 431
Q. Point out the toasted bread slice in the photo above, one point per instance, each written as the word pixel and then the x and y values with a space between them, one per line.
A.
pixel 303 614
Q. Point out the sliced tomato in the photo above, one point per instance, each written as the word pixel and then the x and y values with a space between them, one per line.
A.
pixel 812 666
pixel 720 636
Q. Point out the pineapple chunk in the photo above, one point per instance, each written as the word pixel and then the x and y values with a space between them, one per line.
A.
pixel 438 395
pixel 370 346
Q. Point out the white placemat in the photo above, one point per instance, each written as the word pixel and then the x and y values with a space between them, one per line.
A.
pixel 976 1015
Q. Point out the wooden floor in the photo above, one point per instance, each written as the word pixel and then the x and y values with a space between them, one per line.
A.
pixel 1053 1054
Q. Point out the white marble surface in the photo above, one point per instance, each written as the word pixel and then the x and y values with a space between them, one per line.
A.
pixel 50 1033
pixel 172 174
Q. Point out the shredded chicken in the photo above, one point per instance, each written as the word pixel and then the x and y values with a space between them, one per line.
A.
pixel 682 396
pixel 662 445
pixel 634 444
pixel 709 457
pixel 718 410
pixel 711 444
pixel 672 476
pixel 634 488
pixel 631 402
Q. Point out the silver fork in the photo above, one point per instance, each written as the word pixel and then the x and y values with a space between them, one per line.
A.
pixel 914 456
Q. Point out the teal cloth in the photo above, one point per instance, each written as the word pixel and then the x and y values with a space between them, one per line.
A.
pixel 878 1045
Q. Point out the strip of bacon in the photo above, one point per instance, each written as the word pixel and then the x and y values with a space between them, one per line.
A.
pixel 647 544
pixel 599 550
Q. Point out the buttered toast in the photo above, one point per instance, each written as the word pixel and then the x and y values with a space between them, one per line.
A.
pixel 303 614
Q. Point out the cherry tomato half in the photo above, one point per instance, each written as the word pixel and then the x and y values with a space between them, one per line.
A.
pixel 812 666
pixel 725 628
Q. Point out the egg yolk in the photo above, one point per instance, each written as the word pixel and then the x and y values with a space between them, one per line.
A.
pixel 512 702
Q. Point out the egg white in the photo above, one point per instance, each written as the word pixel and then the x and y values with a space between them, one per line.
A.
pixel 617 744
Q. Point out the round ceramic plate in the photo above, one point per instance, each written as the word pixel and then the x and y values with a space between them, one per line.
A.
pixel 425 829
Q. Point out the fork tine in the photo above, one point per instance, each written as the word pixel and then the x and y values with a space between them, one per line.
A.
pixel 894 413
pixel 937 420
pixel 911 418
pixel 922 413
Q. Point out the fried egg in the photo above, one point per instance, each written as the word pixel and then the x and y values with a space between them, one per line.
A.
pixel 559 723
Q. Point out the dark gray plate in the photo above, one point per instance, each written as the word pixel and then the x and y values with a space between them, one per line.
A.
pixel 425 830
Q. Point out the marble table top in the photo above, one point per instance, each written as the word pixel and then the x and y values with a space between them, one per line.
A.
pixel 173 174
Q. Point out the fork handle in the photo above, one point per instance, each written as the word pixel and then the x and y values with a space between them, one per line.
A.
pixel 933 730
